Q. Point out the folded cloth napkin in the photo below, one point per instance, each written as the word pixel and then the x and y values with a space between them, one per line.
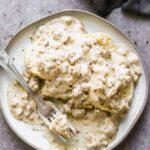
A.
pixel 104 7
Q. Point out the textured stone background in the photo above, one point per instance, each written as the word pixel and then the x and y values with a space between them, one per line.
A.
pixel 16 14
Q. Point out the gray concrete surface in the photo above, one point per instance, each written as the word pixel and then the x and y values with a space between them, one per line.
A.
pixel 16 14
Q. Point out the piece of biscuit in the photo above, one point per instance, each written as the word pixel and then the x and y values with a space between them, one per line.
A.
pixel 119 103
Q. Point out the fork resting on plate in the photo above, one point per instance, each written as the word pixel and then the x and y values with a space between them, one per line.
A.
pixel 47 110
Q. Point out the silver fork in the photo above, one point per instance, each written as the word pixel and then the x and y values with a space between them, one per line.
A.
pixel 46 109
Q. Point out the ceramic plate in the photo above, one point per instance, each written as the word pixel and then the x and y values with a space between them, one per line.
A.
pixel 92 23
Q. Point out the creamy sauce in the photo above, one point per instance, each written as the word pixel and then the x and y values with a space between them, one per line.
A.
pixel 92 77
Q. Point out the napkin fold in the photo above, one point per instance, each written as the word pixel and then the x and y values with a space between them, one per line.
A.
pixel 104 7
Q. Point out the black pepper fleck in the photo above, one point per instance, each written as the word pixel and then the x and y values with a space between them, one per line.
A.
pixel 31 39
pixel 46 44
pixel 135 43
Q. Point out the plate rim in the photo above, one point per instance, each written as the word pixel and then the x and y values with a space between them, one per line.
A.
pixel 115 27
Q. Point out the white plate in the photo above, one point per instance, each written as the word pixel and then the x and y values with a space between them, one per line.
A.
pixel 92 23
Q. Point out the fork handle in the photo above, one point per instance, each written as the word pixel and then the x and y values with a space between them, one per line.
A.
pixel 8 65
